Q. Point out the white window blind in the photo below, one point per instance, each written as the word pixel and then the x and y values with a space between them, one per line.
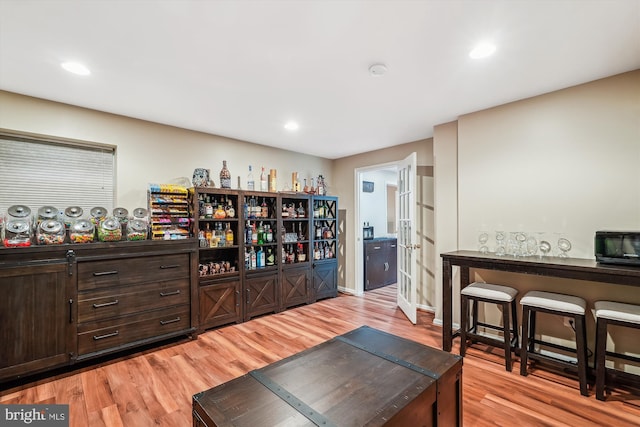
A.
pixel 38 172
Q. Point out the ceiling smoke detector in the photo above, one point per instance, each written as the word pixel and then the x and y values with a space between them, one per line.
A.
pixel 377 69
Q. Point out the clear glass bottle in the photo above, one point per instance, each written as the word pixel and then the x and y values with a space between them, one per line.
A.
pixel 225 176
pixel 264 186
pixel 251 184
pixel 264 209
pixel 300 211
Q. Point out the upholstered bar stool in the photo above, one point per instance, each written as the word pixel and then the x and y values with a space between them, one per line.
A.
pixel 560 305
pixel 611 313
pixel 503 296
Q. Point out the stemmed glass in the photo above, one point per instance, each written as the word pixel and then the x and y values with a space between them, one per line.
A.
pixel 564 245
pixel 500 248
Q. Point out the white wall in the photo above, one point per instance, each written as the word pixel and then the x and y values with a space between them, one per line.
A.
pixel 153 153
pixel 373 206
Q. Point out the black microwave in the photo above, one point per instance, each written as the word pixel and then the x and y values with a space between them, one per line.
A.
pixel 618 247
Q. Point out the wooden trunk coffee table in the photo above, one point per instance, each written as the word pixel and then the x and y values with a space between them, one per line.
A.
pixel 365 377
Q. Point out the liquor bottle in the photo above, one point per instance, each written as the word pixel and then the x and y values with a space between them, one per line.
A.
pixel 263 181
pixel 268 234
pixel 252 259
pixel 272 181
pixel 247 259
pixel 220 236
pixel 270 258
pixel 312 190
pixel 260 258
pixel 260 234
pixel 228 234
pixel 306 187
pixel 252 207
pixel 300 211
pixel 225 176
pixel 254 234
pixel 318 231
pixel 251 184
pixel 316 251
pixel 219 213
pixel 264 209
pixel 208 235
pixel 208 210
pixel 247 233
pixel 229 209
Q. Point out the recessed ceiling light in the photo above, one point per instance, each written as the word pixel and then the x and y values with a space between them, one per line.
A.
pixel 482 50
pixel 377 69
pixel 291 126
pixel 76 68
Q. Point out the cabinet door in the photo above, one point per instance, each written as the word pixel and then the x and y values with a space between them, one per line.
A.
pixel 36 319
pixel 294 287
pixel 325 280
pixel 219 304
pixel 260 294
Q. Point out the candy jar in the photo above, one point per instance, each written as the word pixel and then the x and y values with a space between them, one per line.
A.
pixel 123 217
pixel 109 230
pixel 136 230
pixel 46 213
pixel 50 232
pixel 81 231
pixel 16 232
pixel 142 214
pixel 19 212
pixel 71 215
pixel 97 215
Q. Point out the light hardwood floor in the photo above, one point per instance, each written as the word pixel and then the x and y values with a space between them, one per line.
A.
pixel 154 387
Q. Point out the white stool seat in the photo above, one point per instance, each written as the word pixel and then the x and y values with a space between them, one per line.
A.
pixel 555 302
pixel 619 311
pixel 490 291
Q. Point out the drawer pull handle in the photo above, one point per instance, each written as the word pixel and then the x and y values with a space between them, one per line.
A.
pixel 166 294
pixel 100 337
pixel 106 304
pixel 393 246
pixel 164 267
pixel 376 247
pixel 105 273
pixel 166 322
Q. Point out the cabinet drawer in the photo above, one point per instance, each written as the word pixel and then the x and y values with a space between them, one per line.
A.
pixel 129 271
pixel 102 304
pixel 103 335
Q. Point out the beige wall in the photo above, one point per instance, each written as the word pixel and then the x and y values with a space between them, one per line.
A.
pixel 344 172
pixel 153 153
pixel 566 162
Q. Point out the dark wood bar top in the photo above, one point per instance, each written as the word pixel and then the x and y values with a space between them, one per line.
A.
pixel 566 268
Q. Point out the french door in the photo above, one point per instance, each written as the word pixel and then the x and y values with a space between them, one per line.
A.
pixel 407 237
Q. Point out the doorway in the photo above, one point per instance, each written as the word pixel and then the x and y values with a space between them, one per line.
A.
pixel 376 206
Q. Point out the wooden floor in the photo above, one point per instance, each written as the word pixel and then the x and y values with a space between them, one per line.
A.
pixel 154 387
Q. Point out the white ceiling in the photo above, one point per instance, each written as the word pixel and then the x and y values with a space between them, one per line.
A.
pixel 241 69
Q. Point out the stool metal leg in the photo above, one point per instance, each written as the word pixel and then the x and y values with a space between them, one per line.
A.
pixel 601 348
pixel 514 318
pixel 525 340
pixel 507 335
pixel 581 348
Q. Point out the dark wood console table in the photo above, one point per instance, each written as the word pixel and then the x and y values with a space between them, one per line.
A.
pixel 567 268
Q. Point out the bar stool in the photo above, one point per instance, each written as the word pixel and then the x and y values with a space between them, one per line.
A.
pixel 611 313
pixel 559 305
pixel 503 296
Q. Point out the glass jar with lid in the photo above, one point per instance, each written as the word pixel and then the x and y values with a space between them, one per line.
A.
pixel 109 230
pixel 142 214
pixel 136 230
pixel 16 232
pixel 97 214
pixel 46 213
pixel 81 231
pixel 71 215
pixel 21 212
pixel 50 232
pixel 123 217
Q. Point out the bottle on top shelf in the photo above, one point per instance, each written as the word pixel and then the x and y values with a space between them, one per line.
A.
pixel 225 176
pixel 263 181
pixel 251 184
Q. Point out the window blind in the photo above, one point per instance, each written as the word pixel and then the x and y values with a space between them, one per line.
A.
pixel 40 172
